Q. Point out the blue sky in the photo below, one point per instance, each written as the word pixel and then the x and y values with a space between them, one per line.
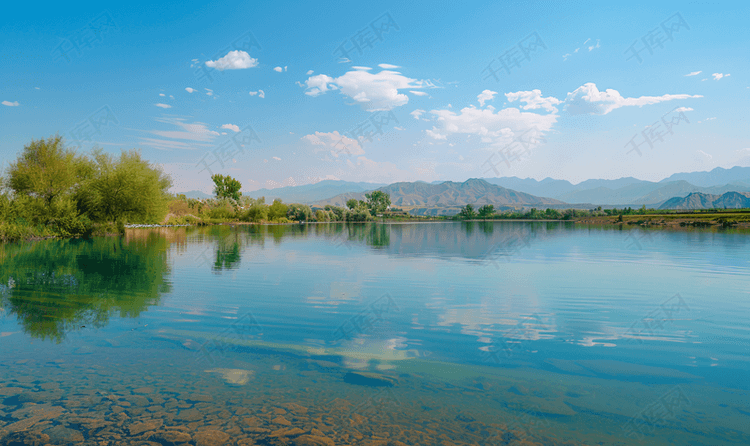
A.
pixel 436 91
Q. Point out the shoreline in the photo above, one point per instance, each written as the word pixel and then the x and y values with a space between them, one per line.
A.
pixel 709 221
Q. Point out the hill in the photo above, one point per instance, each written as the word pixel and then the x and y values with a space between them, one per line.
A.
pixel 729 200
pixel 198 195
pixel 624 191
pixel 448 196
pixel 311 193
pixel 715 177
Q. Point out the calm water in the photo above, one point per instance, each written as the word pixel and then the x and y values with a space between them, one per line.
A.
pixel 437 333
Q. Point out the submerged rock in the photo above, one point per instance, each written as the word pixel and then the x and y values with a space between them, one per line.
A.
pixel 170 437
pixel 63 435
pixel 370 379
pixel 210 438
pixel 312 440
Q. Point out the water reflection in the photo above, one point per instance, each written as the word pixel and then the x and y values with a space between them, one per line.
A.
pixel 53 287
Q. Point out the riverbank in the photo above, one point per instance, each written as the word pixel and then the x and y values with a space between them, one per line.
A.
pixel 730 219
pixel 724 219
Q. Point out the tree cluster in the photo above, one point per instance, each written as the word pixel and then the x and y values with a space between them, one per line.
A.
pixel 59 192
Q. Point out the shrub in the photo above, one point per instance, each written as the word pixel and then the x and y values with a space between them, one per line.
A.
pixel 256 212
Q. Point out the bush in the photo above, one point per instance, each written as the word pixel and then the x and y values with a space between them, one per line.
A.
pixel 255 213
pixel 179 207
pixel 299 212
pixel 358 214
pixel 322 216
pixel 185 220
pixel 277 210
pixel 221 213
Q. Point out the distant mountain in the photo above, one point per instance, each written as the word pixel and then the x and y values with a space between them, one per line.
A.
pixel 545 188
pixel 195 194
pixel 623 191
pixel 715 177
pixel 697 200
pixel 565 190
pixel 311 193
pixel 448 194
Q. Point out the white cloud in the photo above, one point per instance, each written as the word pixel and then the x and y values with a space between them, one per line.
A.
pixel 386 66
pixel 705 154
pixel 399 128
pixel 693 73
pixel 277 158
pixel 11 104
pixel 163 105
pixel 592 47
pixel 261 94
pixel 486 95
pixel 683 109
pixel 492 127
pixel 435 134
pixel 234 60
pixel 162 94
pixel 533 100
pixel 318 84
pixel 309 72
pixel 171 97
pixel 209 92
pixel 718 76
pixel 373 91
pixel 418 93
pixel 710 119
pixel 193 131
pixel 166 144
pixel 190 90
pixel 278 69
pixel 587 99
pixel 335 142
pixel 232 127
pixel 253 93
pixel 417 113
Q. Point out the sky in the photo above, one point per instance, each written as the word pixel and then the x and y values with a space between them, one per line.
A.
pixel 291 93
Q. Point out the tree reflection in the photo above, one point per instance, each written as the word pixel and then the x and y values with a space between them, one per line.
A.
pixel 54 287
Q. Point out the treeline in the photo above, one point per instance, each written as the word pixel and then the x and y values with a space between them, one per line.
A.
pixel 229 205
pixel 52 191
pixel 487 212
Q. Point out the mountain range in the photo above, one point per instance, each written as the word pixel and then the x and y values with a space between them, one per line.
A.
pixel 729 200
pixel 446 197
pixel 311 193
pixel 632 191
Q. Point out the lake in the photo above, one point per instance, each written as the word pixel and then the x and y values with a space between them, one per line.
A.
pixel 446 333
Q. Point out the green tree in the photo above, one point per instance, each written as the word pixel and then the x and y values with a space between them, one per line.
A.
pixel 486 211
pixel 378 201
pixel 352 203
pixel 467 212
pixel 299 212
pixel 337 213
pixel 46 169
pixel 257 211
pixel 277 210
pixel 321 215
pixel 128 188
pixel 226 187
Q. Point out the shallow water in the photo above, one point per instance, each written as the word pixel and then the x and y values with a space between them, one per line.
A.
pixel 476 333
